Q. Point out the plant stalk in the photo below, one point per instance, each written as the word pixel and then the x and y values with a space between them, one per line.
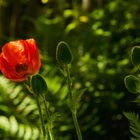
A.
pixel 50 133
pixel 78 131
pixel 73 110
pixel 69 81
pixel 41 117
pixel 48 117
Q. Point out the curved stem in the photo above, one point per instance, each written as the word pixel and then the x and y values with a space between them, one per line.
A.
pixel 78 131
pixel 48 117
pixel 69 81
pixel 28 86
pixel 41 117
pixel 51 133
pixel 73 110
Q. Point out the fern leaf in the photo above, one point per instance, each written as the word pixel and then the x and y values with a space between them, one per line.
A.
pixel 134 124
pixel 11 127
pixel 18 112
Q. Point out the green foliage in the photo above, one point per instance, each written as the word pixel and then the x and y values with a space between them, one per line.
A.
pixel 75 102
pixel 18 113
pixel 10 128
pixel 100 34
pixel 134 124
pixel 132 83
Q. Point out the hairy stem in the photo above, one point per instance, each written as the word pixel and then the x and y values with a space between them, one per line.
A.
pixel 78 131
pixel 50 133
pixel 69 81
pixel 73 110
pixel 41 117
pixel 49 119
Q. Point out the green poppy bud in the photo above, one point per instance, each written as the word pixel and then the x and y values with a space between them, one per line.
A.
pixel 135 55
pixel 38 84
pixel 63 53
pixel 132 84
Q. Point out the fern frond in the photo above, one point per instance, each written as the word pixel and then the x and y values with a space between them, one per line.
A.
pixel 18 112
pixel 11 128
pixel 134 124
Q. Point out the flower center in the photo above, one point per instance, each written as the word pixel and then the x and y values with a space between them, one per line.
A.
pixel 21 67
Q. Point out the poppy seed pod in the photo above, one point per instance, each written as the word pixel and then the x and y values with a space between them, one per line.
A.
pixel 63 53
pixel 19 59
pixel 135 55
pixel 39 85
pixel 132 84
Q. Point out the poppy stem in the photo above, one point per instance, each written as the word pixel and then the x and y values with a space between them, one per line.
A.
pixel 50 125
pixel 69 81
pixel 41 117
pixel 72 108
pixel 78 131
pixel 29 87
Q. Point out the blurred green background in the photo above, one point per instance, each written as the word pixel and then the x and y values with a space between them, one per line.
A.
pixel 100 34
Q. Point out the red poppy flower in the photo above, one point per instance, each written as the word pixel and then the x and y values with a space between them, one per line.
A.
pixel 19 59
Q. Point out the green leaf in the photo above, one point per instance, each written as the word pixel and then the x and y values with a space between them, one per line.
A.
pixel 21 113
pixel 134 124
pixel 75 103
pixel 63 53
pixel 135 55
pixel 39 85
pixel 77 98
pixel 132 83
pixel 13 124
